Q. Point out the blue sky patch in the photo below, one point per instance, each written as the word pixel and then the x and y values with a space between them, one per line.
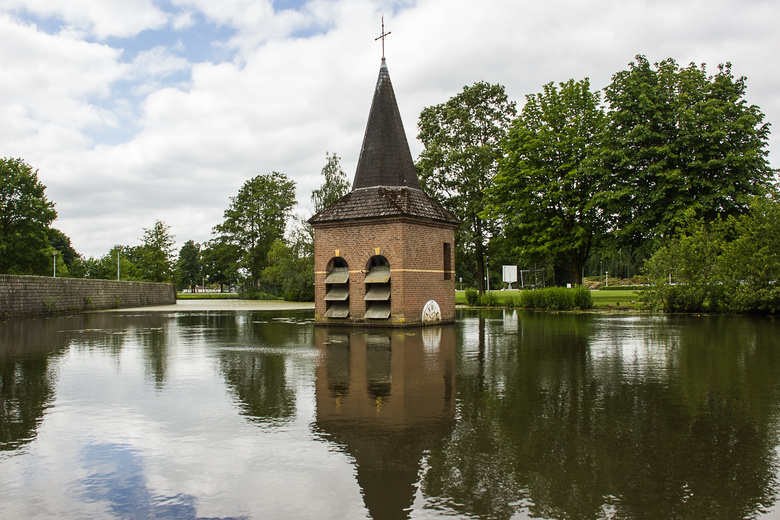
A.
pixel 198 43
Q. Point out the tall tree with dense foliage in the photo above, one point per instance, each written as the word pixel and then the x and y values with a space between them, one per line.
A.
pixel 257 217
pixel 334 186
pixel 189 268
pixel 25 217
pixel 220 262
pixel 156 253
pixel 462 146
pixel 546 181
pixel 678 139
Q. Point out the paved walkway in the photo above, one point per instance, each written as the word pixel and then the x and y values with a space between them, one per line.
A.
pixel 223 305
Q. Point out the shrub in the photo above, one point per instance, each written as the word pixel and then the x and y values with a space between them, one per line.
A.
pixel 531 299
pixel 488 300
pixel 556 298
pixel 472 297
pixel 583 299
pixel 513 302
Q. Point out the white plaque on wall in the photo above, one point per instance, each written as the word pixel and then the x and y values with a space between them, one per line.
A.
pixel 431 312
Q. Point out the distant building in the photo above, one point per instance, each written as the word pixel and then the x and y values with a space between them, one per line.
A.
pixel 384 254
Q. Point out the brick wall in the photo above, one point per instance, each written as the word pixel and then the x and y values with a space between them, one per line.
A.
pixel 40 295
pixel 414 250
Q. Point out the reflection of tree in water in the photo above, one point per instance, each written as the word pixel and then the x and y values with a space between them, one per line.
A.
pixel 544 424
pixel 385 398
pixel 253 360
pixel 253 350
pixel 152 334
pixel 26 389
pixel 28 353
pixel 259 383
pixel 28 348
pixel 151 331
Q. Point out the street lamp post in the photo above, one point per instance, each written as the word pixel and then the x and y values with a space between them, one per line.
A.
pixel 118 249
pixel 487 268
pixel 54 256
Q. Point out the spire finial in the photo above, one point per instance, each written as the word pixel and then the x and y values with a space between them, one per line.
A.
pixel 383 35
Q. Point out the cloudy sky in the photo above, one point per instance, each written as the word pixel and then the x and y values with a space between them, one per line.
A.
pixel 141 110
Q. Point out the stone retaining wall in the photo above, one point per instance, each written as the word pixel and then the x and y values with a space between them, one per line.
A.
pixel 41 295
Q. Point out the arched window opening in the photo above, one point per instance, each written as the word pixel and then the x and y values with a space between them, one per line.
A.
pixel 337 289
pixel 378 288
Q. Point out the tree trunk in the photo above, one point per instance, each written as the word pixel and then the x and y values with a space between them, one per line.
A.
pixel 480 269
pixel 576 276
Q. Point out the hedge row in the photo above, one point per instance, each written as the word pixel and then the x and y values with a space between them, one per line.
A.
pixel 551 298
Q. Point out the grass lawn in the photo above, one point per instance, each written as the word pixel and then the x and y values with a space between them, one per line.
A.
pixel 622 299
pixel 207 296
pixel 601 299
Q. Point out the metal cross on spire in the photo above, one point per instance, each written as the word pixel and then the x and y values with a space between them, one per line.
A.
pixel 383 35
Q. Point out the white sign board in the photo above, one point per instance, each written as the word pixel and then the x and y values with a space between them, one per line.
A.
pixel 510 273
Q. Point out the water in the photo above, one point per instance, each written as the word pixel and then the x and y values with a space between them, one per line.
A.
pixel 504 415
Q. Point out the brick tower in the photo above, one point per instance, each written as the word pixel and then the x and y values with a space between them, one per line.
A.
pixel 384 253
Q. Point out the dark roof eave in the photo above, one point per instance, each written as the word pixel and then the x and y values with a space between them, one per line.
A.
pixel 337 221
pixel 385 202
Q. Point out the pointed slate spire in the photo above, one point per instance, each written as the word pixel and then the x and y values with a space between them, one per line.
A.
pixel 385 159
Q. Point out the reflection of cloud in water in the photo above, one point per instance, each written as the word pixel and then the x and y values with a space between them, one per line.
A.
pixel 116 477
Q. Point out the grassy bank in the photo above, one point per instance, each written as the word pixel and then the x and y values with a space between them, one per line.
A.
pixel 207 296
pixel 601 299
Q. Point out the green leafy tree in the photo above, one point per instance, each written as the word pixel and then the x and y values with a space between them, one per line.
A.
pixel 61 242
pixel 257 217
pixel 220 262
pixel 105 267
pixel 684 274
pixel 335 185
pixel 188 267
pixel 25 216
pixel 156 254
pixel 731 266
pixel 290 272
pixel 462 146
pixel 678 139
pixel 750 264
pixel 546 181
pixel 78 268
pixel 94 269
pixel 69 262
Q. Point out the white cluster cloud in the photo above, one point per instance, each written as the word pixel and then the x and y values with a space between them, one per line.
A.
pixel 143 110
pixel 101 20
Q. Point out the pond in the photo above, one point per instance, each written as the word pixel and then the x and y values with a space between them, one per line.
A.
pixel 505 415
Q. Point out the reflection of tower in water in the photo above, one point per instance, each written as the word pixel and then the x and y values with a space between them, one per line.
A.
pixel 387 397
